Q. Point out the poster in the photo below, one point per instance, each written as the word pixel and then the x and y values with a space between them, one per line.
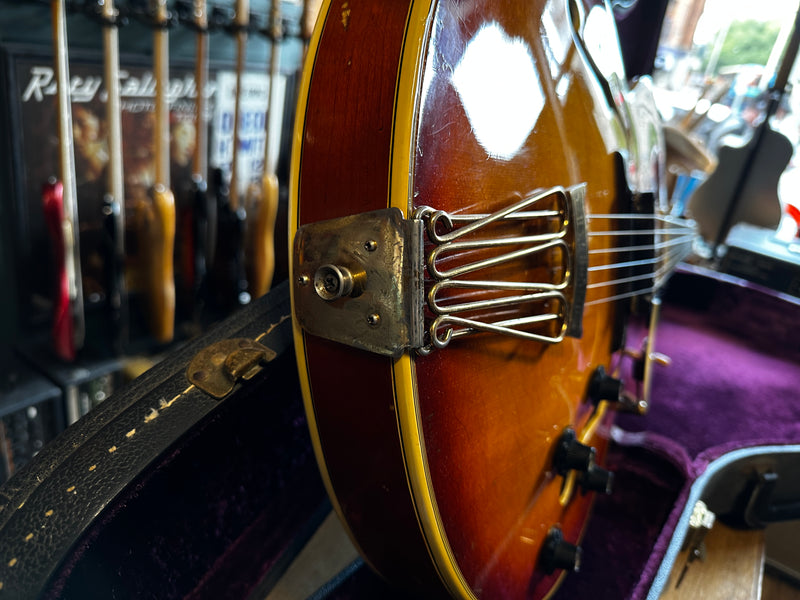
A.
pixel 252 124
pixel 32 99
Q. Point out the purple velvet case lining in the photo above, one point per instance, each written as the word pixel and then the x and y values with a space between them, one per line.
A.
pixel 205 525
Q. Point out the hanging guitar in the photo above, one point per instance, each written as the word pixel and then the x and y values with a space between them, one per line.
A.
pixel 262 200
pixel 60 205
pixel 744 185
pixel 229 285
pixel 114 198
pixel 157 217
pixel 464 232
pixel 196 215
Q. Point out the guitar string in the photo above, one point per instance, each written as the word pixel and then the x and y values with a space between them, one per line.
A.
pixel 625 264
pixel 676 251
pixel 667 260
pixel 678 244
pixel 622 296
pixel 658 277
pixel 640 217
pixel 670 231
pixel 657 246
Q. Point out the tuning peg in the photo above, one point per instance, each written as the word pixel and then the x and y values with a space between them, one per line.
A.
pixel 219 17
pixel 256 22
pixel 571 454
pixel 638 357
pixel 557 553
pixel 184 10
pixel 597 479
pixel 603 386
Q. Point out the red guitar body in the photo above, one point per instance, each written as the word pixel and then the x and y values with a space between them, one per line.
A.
pixel 63 327
pixel 443 466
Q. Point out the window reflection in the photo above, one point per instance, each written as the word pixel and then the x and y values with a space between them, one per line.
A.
pixel 497 83
pixel 600 37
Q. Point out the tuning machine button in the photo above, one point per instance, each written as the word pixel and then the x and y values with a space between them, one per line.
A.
pixel 597 479
pixel 571 454
pixel 557 553
pixel 603 386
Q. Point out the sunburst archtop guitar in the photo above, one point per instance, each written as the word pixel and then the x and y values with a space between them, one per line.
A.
pixel 464 230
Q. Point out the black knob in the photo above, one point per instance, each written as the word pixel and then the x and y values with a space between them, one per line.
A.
pixel 571 454
pixel 557 553
pixel 603 386
pixel 597 479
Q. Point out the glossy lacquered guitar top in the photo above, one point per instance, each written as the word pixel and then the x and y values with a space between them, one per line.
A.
pixel 463 464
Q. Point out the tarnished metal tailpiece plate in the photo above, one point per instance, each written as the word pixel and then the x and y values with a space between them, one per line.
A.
pixel 217 368
pixel 358 281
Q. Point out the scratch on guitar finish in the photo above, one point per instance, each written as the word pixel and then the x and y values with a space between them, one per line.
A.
pixel 346 15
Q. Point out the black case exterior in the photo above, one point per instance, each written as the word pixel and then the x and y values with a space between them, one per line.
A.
pixel 164 491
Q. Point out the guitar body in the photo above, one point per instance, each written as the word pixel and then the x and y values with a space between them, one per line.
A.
pixel 441 465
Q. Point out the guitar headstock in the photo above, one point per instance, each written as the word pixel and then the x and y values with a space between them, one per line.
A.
pixel 159 13
pixel 200 12
pixel 274 29
pixel 107 10
pixel 241 18
pixel 193 13
pixel 154 13
pixel 102 11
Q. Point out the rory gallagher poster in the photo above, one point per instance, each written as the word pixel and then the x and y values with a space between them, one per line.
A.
pixel 31 99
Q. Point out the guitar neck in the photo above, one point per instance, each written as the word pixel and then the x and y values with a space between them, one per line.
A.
pixel 159 217
pixel 311 9
pixel 161 74
pixel 263 202
pixel 200 159
pixel 65 156
pixel 114 202
pixel 67 174
pixel 115 181
pixel 240 24
pixel 276 36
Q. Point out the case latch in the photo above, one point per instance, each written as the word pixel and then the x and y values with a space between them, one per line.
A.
pixel 217 368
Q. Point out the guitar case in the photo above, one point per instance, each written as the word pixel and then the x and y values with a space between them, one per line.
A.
pixel 165 491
